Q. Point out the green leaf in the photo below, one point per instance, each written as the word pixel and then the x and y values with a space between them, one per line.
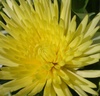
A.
pixel 79 7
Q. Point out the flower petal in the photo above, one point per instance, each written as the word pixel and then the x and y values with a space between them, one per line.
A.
pixel 89 90
pixel 58 90
pixel 80 91
pixel 66 12
pixel 92 25
pixel 49 90
pixel 92 49
pixel 89 73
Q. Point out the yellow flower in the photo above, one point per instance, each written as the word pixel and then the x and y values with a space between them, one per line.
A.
pixel 43 49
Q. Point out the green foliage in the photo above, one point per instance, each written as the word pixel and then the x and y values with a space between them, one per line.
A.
pixel 79 7
pixel 83 7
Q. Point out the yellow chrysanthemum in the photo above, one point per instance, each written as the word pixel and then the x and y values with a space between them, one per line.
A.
pixel 43 49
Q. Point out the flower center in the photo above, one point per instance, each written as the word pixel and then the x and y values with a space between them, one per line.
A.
pixel 45 52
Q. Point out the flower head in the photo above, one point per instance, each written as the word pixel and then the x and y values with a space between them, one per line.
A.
pixel 44 49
